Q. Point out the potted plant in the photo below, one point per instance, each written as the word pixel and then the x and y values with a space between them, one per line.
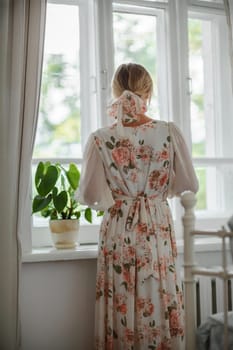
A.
pixel 55 188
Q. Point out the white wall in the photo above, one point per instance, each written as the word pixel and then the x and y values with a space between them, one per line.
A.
pixel 57 302
pixel 57 305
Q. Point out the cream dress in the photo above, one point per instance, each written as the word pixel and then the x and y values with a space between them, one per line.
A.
pixel 139 302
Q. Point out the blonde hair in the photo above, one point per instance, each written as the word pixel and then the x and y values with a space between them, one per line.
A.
pixel 132 77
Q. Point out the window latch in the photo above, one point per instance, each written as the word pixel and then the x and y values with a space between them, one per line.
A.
pixel 190 86
pixel 104 79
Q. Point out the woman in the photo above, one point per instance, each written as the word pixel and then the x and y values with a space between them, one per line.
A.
pixel 130 168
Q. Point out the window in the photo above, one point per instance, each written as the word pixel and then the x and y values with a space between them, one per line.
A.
pixel 86 39
pixel 68 60
pixel 146 47
pixel 211 105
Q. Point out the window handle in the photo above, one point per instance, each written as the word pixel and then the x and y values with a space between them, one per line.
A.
pixel 190 86
pixel 104 79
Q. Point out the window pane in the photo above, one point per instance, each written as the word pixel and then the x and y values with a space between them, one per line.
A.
pixel 196 66
pixel 135 41
pixel 211 99
pixel 214 195
pixel 58 132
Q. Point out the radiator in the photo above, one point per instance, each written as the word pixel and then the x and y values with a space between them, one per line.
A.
pixel 209 297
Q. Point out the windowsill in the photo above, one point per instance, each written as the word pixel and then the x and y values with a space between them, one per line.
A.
pixel 52 254
pixel 81 252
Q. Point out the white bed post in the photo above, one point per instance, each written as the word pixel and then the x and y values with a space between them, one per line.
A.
pixel 188 201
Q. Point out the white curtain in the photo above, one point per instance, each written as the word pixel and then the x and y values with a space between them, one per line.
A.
pixel 228 4
pixel 22 25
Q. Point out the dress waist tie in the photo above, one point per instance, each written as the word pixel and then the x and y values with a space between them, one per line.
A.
pixel 140 207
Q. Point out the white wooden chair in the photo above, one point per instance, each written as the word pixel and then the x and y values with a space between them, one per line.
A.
pixel 191 269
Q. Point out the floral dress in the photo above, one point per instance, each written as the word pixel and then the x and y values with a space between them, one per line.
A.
pixel 139 302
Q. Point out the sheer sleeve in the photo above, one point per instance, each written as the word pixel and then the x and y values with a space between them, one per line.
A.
pixel 93 188
pixel 183 177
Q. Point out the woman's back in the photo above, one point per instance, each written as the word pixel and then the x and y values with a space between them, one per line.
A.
pixel 138 163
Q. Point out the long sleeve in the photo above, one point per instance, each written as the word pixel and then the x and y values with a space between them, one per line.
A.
pixel 93 188
pixel 183 177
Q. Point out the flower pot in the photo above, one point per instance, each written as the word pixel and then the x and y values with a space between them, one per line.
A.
pixel 64 233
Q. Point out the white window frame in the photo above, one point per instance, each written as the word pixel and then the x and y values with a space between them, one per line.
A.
pixel 156 10
pixel 208 219
pixel 40 235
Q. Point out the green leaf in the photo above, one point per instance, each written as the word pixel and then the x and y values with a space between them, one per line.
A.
pixel 88 214
pixel 113 165
pixel 77 214
pixel 109 145
pixel 48 181
pixel 152 324
pixel 55 191
pixel 100 213
pixel 125 285
pixel 115 336
pixel 127 266
pixel 117 268
pixel 46 212
pixel 171 268
pixel 39 203
pixel 73 176
pixel 124 321
pixel 39 173
pixel 60 200
pixel 53 215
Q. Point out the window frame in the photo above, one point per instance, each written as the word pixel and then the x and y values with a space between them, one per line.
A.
pixel 208 219
pixel 40 235
pixel 100 72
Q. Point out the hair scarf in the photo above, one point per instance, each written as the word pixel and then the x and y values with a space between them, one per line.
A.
pixel 126 109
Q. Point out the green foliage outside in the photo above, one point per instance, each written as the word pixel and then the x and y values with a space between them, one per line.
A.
pixel 135 45
pixel 57 133
pixel 197 99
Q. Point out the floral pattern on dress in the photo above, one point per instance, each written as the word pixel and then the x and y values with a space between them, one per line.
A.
pixel 139 302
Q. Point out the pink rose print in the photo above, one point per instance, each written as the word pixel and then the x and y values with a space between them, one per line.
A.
pixel 133 176
pixel 154 179
pixel 129 336
pixel 122 309
pixel 121 155
pixel 174 318
pixel 163 179
pixel 125 143
pixel 175 328
pixel 158 179
pixel 145 306
pixel 144 153
pixel 141 228
pixel 162 155
pixel 163 346
pixel 149 309
pixel 109 342
pixel 100 285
